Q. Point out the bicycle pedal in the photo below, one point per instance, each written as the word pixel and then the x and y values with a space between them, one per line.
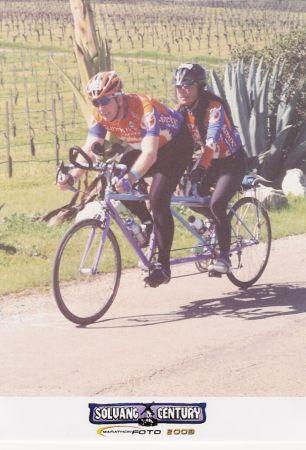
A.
pixel 214 274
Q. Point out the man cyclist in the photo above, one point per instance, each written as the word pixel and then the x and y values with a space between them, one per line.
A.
pixel 162 148
pixel 222 158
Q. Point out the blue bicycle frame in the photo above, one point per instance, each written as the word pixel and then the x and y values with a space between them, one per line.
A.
pixel 109 212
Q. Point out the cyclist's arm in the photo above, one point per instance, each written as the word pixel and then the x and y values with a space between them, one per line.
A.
pixel 149 143
pixel 215 124
pixel 148 156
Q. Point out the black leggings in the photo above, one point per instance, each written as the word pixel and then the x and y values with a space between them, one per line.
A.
pixel 172 159
pixel 227 175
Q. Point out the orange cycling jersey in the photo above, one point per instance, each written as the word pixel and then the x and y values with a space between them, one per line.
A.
pixel 222 138
pixel 145 116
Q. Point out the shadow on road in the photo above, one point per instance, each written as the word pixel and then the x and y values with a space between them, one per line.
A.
pixel 258 302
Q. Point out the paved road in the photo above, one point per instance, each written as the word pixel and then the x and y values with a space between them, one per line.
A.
pixel 194 336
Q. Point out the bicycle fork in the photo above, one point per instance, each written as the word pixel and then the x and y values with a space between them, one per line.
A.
pixel 93 269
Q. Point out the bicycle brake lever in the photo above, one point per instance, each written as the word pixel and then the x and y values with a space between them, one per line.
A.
pixel 63 171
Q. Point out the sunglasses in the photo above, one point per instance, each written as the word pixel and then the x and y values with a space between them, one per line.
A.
pixel 102 101
pixel 187 85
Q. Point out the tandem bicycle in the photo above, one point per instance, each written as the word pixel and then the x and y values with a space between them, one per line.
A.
pixel 87 266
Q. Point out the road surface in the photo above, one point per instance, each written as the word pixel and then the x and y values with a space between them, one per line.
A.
pixel 193 337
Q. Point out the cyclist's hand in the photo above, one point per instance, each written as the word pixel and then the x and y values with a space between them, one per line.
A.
pixel 65 181
pixel 197 175
pixel 123 185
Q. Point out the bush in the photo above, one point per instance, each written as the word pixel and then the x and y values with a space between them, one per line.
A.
pixel 292 51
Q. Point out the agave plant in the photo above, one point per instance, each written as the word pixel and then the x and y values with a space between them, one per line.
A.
pixel 263 112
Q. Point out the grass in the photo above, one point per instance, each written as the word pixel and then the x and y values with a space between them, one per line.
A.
pixel 27 247
pixel 291 220
pixel 33 46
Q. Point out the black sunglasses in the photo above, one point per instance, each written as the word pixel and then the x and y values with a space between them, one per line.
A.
pixel 102 101
pixel 185 84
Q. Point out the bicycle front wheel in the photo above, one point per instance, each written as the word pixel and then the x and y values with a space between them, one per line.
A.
pixel 250 241
pixel 86 272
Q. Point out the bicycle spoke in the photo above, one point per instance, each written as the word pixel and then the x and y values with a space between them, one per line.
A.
pixel 251 241
pixel 86 272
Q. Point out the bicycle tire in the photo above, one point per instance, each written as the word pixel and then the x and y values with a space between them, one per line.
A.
pixel 72 285
pixel 249 264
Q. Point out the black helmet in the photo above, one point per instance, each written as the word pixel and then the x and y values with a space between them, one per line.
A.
pixel 189 73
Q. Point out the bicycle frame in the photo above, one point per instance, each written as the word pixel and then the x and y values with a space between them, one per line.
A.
pixel 109 212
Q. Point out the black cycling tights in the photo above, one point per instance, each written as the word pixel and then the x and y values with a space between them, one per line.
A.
pixel 171 162
pixel 226 186
pixel 161 191
pixel 227 175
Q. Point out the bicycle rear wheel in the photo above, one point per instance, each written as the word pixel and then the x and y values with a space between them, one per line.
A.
pixel 86 272
pixel 250 241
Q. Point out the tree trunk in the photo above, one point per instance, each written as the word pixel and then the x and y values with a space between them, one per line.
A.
pixel 92 56
pixel 85 42
pixel 84 26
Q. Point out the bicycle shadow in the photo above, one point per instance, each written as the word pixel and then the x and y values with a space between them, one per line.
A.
pixel 256 303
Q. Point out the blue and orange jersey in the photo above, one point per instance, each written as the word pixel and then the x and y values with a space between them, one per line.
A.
pixel 222 138
pixel 145 116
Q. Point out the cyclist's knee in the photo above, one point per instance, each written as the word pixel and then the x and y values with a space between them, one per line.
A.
pixel 159 200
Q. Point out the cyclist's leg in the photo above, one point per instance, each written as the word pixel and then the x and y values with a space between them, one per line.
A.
pixel 171 162
pixel 161 191
pixel 228 183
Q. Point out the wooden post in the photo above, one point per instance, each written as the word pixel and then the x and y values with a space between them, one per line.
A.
pixel 36 85
pixel 27 111
pixel 13 123
pixel 45 110
pixel 55 139
pixel 7 138
pixel 63 123
pixel 74 107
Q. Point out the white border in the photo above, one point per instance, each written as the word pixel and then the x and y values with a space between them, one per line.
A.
pixel 232 422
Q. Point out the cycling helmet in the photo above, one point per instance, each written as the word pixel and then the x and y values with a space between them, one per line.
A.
pixel 103 84
pixel 190 73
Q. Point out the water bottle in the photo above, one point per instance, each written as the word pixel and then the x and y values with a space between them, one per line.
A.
pixel 135 230
pixel 197 224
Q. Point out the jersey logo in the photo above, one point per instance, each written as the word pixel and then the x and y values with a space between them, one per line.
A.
pixel 149 120
pixel 215 115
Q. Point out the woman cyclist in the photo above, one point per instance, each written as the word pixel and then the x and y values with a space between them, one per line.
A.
pixel 222 159
pixel 162 148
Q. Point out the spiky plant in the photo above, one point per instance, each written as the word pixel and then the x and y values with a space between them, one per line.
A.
pixel 263 112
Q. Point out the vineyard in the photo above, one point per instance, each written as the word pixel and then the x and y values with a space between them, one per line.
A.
pixel 39 117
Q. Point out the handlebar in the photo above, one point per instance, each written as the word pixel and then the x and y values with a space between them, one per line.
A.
pixel 252 180
pixel 76 151
pixel 78 158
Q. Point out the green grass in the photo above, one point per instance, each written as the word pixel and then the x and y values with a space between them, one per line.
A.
pixel 27 247
pixel 33 46
pixel 159 56
pixel 291 220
